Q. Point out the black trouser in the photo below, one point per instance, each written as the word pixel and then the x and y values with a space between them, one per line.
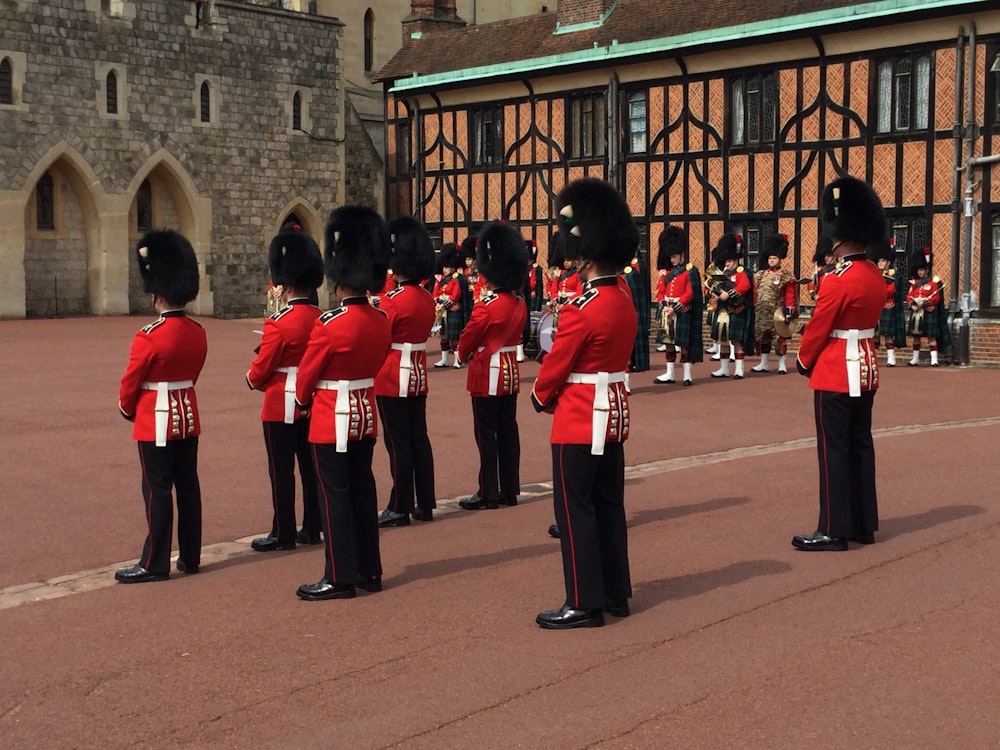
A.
pixel 411 461
pixel 847 500
pixel 350 510
pixel 589 500
pixel 285 443
pixel 164 469
pixel 495 425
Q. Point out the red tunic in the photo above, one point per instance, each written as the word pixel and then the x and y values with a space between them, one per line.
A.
pixel 449 290
pixel 596 333
pixel 677 287
pixel 171 349
pixel 286 334
pixel 852 297
pixel 347 343
pixel 497 323
pixel 390 283
pixel 551 288
pixel 569 285
pixel 890 292
pixel 410 309
pixel 925 289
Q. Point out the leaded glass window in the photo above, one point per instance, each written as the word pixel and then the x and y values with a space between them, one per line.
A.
pixel 637 122
pixel 487 136
pixel 588 127
pixel 904 93
pixel 754 108
pixel 45 203
pixel 6 81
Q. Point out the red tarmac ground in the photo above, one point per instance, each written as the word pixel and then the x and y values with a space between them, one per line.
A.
pixel 736 639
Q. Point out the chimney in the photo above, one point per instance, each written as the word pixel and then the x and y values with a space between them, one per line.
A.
pixel 430 15
pixel 574 12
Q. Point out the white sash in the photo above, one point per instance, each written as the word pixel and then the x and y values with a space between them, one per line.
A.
pixel 161 410
pixel 406 364
pixel 290 378
pixel 602 404
pixel 342 409
pixel 853 336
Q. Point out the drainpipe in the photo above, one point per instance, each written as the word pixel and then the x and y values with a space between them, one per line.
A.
pixel 956 183
pixel 614 176
pixel 971 136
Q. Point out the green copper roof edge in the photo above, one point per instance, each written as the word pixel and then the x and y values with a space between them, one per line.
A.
pixel 615 51
pixel 570 28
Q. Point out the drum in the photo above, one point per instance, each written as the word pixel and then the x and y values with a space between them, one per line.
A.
pixel 546 331
pixel 532 346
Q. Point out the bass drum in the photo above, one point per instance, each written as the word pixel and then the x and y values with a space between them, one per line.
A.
pixel 546 331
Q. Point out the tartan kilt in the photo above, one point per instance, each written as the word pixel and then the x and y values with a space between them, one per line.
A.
pixel 931 327
pixel 682 329
pixel 887 322
pixel 452 329
pixel 739 326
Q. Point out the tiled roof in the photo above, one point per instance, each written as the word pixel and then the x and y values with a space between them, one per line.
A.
pixel 632 21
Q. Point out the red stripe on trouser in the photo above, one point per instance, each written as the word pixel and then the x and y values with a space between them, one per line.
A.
pixel 274 478
pixel 326 515
pixel 569 530
pixel 148 560
pixel 391 447
pixel 824 459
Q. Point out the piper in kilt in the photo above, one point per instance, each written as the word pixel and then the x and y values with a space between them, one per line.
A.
pixel 774 289
pixel 891 324
pixel 928 317
pixel 732 293
pixel 638 285
pixel 680 304
pixel 448 295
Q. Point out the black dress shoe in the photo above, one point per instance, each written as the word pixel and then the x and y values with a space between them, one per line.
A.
pixel 183 567
pixel 270 544
pixel 325 589
pixel 308 537
pixel 865 537
pixel 820 542
pixel 477 503
pixel 423 514
pixel 389 518
pixel 510 502
pixel 687 382
pixel 138 574
pixel 554 530
pixel 566 617
pixel 617 607
pixel 371 584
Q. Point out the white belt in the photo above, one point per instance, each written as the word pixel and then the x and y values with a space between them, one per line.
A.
pixel 161 411
pixel 406 364
pixel 495 366
pixel 290 378
pixel 853 336
pixel 602 404
pixel 342 409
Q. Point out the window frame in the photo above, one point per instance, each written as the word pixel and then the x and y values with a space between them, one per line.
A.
pixel 629 131
pixel 894 113
pixel 755 231
pixel 369 40
pixel 6 81
pixel 44 220
pixel 587 126
pixel 755 93
pixel 909 231
pixel 486 136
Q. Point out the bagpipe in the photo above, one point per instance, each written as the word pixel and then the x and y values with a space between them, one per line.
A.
pixel 717 282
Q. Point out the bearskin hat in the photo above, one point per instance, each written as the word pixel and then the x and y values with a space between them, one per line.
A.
pixel 294 259
pixel 886 251
pixel 594 211
pixel 850 211
pixel 412 250
pixel 501 256
pixel 729 247
pixel 673 241
pixel 565 245
pixel 920 259
pixel 357 248
pixel 468 248
pixel 824 247
pixel 451 256
pixel 532 247
pixel 168 266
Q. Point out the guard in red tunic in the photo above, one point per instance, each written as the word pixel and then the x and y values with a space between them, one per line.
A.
pixel 582 383
pixel 839 356
pixel 401 384
pixel 336 381
pixel 489 343
pixel 157 394
pixel 297 269
pixel 533 293
pixel 925 298
pixel 680 304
